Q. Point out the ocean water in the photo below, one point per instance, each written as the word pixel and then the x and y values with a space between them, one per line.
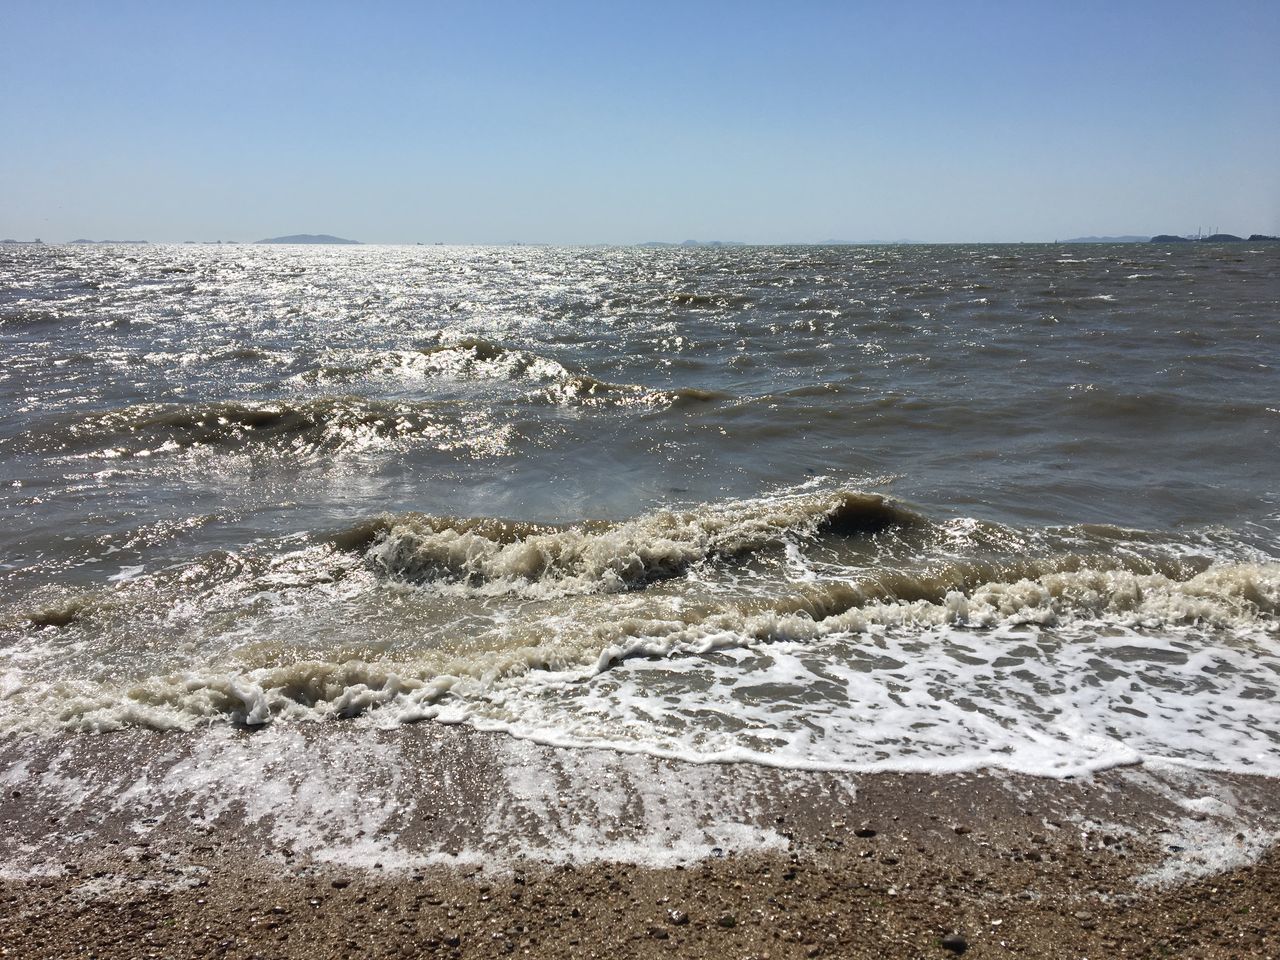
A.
pixel 919 507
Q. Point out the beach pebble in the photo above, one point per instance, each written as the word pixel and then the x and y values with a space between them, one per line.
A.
pixel 865 831
pixel 678 917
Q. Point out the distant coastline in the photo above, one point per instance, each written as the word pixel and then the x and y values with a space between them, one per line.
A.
pixel 1215 238
pixel 309 238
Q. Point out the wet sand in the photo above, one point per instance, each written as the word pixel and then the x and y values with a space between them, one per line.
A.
pixel 439 841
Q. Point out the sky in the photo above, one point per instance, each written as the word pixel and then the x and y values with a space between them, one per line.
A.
pixel 622 122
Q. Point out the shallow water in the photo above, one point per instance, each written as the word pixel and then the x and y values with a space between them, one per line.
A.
pixel 893 507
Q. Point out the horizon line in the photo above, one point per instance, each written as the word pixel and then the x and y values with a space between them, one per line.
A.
pixel 1115 238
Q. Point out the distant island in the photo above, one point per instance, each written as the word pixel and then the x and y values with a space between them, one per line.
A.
pixel 107 241
pixel 308 238
pixel 1215 238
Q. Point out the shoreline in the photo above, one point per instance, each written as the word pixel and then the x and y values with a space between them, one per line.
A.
pixel 349 841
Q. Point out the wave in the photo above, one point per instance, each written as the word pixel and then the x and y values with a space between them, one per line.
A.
pixel 26 317
pixel 475 359
pixel 707 301
pixel 581 389
pixel 466 358
pixel 457 684
pixel 1102 404
pixel 320 425
pixel 1228 596
pixel 480 609
pixel 510 557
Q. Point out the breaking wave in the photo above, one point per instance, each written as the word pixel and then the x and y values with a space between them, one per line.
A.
pixel 473 359
pixel 510 557
pixel 320 425
pixel 455 685
pixel 542 604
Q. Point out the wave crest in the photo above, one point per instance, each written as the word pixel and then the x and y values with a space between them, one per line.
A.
pixel 509 557
pixel 476 359
pixel 319 425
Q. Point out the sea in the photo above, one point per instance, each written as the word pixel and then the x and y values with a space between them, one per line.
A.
pixel 855 508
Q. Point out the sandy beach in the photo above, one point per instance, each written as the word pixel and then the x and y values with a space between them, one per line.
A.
pixel 429 840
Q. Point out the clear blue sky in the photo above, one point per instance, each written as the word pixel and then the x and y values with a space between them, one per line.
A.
pixel 622 122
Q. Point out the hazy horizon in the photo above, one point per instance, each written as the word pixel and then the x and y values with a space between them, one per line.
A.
pixel 231 241
pixel 570 124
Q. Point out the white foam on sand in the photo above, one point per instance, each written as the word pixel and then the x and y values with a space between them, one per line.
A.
pixel 1219 833
pixel 622 808
pixel 354 800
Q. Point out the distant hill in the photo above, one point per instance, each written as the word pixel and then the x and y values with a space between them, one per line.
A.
pixel 308 238
pixel 1124 239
